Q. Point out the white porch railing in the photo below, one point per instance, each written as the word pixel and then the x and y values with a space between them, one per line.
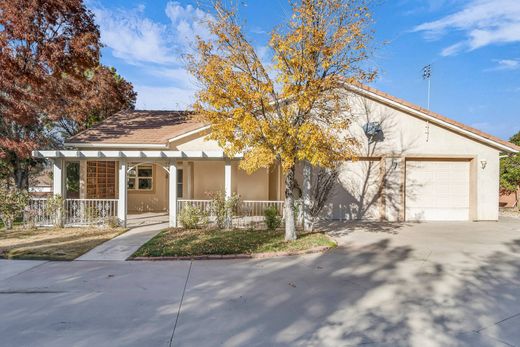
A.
pixel 250 213
pixel 203 205
pixel 89 211
pixel 37 212
pixel 76 212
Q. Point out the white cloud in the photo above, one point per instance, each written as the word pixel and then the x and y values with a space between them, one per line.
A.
pixel 157 48
pixel 163 98
pixel 133 37
pixel 483 23
pixel 137 39
pixel 506 64
pixel 188 22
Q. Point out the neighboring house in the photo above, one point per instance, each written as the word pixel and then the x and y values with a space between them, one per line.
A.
pixel 41 185
pixel 413 165
pixel 509 200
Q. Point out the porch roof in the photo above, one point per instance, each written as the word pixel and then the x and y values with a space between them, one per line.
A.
pixel 110 154
pixel 137 127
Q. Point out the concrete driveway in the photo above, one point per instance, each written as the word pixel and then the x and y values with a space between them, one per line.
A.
pixel 432 284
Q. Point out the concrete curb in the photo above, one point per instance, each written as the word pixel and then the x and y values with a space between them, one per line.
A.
pixel 319 249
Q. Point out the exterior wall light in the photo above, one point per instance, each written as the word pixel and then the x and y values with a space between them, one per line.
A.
pixel 483 164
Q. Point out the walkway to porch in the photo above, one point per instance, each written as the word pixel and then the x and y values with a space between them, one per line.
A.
pixel 143 227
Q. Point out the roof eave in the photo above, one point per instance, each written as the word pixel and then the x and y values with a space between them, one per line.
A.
pixel 115 145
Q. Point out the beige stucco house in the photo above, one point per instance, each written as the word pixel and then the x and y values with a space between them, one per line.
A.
pixel 413 165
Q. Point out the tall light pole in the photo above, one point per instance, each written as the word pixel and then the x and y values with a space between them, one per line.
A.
pixel 427 74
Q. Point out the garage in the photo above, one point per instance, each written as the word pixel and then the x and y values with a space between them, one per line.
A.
pixel 437 190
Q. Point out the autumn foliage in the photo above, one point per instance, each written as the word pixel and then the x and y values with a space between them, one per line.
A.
pixel 50 73
pixel 292 108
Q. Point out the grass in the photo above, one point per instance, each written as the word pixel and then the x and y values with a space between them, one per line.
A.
pixel 180 242
pixel 52 243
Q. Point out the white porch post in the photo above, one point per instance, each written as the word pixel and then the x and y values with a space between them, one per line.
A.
pixel 122 193
pixel 307 172
pixel 172 196
pixel 57 176
pixel 227 179
pixel 227 190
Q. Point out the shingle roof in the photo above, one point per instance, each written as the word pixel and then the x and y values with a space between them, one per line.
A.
pixel 157 127
pixel 437 116
pixel 138 127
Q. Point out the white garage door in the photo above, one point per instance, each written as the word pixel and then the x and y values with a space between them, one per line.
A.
pixel 437 190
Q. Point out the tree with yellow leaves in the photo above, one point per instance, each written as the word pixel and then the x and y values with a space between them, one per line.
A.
pixel 294 110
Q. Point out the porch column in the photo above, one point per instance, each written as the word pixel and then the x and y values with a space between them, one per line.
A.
pixel 227 179
pixel 122 193
pixel 307 172
pixel 57 176
pixel 172 196
pixel 83 179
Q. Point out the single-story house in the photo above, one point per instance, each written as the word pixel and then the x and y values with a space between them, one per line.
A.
pixel 414 165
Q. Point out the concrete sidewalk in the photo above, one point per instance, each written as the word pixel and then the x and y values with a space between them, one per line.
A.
pixel 124 245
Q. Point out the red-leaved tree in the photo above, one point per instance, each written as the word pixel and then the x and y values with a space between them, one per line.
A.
pixel 50 75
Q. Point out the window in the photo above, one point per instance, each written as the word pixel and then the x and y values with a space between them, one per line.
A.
pixel 179 183
pixel 141 177
pixel 101 179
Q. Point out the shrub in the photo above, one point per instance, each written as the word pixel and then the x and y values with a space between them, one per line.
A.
pixel 223 209
pixel 12 204
pixel 191 217
pixel 55 208
pixel 272 218
pixel 112 222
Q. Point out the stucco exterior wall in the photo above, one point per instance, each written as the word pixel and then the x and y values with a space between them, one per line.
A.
pixel 208 176
pixel 406 136
pixel 151 201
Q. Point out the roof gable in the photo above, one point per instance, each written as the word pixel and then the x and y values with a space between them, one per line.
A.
pixel 436 118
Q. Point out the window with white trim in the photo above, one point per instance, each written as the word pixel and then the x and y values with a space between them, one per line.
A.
pixel 140 177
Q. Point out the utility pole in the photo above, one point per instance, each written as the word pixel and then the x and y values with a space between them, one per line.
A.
pixel 427 75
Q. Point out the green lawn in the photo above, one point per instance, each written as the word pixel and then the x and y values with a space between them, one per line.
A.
pixel 52 243
pixel 178 242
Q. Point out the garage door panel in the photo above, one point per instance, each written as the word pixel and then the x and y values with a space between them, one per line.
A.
pixel 437 190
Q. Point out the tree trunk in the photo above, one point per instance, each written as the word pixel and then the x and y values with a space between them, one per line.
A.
pixel 21 175
pixel 290 225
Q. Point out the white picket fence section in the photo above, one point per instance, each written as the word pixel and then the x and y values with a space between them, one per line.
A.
pixel 76 212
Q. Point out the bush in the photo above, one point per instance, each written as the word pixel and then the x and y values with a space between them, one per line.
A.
pixel 12 205
pixel 272 218
pixel 112 222
pixel 55 208
pixel 191 217
pixel 223 209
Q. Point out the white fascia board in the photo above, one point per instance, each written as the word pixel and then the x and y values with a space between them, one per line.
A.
pixel 129 154
pixel 431 118
pixel 116 145
pixel 189 133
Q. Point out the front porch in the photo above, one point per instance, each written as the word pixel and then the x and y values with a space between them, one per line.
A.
pixel 126 186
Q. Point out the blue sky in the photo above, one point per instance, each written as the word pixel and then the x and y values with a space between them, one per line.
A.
pixel 473 46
